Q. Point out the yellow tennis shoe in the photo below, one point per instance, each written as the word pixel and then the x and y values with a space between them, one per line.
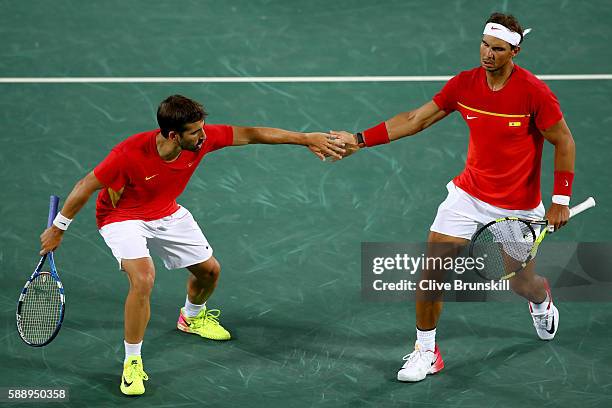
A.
pixel 205 324
pixel 133 376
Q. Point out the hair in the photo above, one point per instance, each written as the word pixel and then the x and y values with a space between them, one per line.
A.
pixel 508 21
pixel 176 111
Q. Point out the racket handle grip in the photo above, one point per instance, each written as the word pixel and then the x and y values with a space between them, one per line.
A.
pixel 53 204
pixel 585 205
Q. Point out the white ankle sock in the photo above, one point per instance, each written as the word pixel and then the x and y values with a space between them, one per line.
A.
pixel 427 339
pixel 539 308
pixel 131 349
pixel 192 310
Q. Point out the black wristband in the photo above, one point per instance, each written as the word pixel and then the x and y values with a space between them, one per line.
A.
pixel 359 137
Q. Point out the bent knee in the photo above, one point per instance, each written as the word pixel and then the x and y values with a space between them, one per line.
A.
pixel 143 284
pixel 444 245
pixel 215 269
pixel 207 270
pixel 141 274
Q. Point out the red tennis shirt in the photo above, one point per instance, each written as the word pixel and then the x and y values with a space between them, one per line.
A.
pixel 142 186
pixel 505 148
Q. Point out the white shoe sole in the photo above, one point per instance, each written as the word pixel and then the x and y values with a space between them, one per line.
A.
pixel 407 378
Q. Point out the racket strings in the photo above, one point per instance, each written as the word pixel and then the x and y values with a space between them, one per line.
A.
pixel 503 247
pixel 41 309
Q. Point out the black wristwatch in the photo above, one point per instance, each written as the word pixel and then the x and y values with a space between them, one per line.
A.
pixel 359 137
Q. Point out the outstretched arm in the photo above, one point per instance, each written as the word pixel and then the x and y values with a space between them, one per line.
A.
pixel 401 125
pixel 51 238
pixel 412 122
pixel 565 156
pixel 321 144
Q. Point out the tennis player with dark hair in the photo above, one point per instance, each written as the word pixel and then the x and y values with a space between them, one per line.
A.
pixel 136 210
pixel 509 113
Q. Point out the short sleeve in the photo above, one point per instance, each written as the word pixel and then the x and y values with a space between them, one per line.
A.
pixel 218 136
pixel 546 110
pixel 111 171
pixel 446 99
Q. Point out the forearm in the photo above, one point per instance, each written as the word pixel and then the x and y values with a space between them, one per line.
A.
pixel 264 135
pixel 560 136
pixel 77 198
pixel 403 124
pixel 51 238
pixel 565 155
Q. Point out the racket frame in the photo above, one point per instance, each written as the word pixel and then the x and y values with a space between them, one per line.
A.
pixel 53 208
pixel 537 240
pixel 583 206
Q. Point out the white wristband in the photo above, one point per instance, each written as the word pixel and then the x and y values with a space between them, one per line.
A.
pixel 61 222
pixel 561 199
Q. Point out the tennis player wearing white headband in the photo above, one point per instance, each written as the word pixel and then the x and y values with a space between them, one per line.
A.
pixel 509 113
pixel 503 33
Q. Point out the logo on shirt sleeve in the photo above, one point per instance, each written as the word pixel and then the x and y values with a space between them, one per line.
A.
pixel 514 124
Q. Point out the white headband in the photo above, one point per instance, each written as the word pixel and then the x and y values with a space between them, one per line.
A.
pixel 503 33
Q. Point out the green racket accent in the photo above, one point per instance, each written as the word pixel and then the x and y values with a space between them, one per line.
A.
pixel 536 245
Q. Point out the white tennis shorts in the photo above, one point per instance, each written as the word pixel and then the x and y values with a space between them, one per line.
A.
pixel 177 239
pixel 461 214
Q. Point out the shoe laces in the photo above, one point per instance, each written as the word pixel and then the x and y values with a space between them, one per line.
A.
pixel 137 371
pixel 210 316
pixel 541 321
pixel 414 356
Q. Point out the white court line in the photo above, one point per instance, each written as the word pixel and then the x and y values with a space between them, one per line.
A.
pixel 294 79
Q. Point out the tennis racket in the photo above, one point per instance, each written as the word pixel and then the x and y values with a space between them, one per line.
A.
pixel 40 310
pixel 507 245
